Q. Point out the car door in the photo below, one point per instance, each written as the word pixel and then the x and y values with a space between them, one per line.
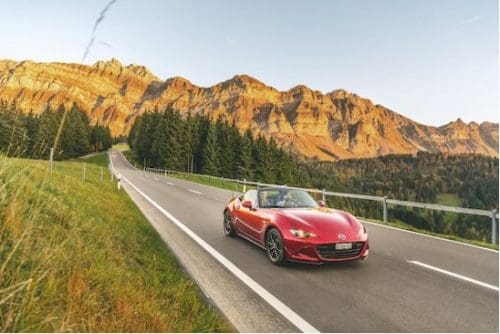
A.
pixel 251 221
pixel 245 216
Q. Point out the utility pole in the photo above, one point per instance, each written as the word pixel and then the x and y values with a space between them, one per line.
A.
pixel 192 164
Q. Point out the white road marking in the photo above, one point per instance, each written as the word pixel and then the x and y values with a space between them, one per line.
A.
pixel 449 273
pixel 274 302
pixel 156 178
pixel 195 192
pixel 170 183
pixel 429 236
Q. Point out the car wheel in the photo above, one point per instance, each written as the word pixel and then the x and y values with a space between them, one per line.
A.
pixel 274 247
pixel 228 224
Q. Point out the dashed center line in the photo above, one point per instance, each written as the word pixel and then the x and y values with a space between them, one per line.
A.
pixel 449 273
pixel 195 192
pixel 156 178
pixel 170 183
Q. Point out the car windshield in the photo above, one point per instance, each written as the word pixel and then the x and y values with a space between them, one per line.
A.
pixel 285 198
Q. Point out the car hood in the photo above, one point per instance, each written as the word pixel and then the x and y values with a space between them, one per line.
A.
pixel 326 223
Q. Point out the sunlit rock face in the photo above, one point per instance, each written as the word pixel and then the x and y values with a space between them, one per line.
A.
pixel 336 125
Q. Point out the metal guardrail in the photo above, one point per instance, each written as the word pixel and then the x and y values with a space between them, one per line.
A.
pixel 493 214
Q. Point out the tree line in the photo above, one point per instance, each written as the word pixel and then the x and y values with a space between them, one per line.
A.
pixel 466 180
pixel 194 143
pixel 28 135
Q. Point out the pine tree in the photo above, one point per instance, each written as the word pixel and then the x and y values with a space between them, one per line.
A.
pixel 244 157
pixel 48 123
pixel 211 164
pixel 261 160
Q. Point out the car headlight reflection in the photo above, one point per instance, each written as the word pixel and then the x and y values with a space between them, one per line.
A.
pixel 302 234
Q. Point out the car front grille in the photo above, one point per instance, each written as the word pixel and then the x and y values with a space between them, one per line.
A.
pixel 328 251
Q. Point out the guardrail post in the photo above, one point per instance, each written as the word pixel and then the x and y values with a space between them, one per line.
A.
pixel 244 185
pixel 323 195
pixel 493 227
pixel 384 203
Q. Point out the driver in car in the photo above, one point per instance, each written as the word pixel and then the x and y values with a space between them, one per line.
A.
pixel 264 200
pixel 286 200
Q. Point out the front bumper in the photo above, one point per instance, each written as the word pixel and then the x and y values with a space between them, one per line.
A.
pixel 306 250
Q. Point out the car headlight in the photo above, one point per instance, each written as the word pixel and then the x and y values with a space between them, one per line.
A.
pixel 302 234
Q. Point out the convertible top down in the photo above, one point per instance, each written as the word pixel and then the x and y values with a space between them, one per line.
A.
pixel 291 226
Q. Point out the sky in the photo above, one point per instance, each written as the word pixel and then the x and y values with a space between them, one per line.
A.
pixel 431 60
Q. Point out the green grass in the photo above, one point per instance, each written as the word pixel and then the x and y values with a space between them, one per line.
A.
pixel 97 160
pixel 211 181
pixel 449 199
pixel 121 147
pixel 79 256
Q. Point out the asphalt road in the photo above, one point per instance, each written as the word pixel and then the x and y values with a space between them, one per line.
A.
pixel 410 282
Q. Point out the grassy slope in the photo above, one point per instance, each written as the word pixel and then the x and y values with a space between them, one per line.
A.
pixel 78 256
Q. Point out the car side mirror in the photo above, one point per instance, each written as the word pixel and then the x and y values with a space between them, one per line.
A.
pixel 247 204
pixel 321 204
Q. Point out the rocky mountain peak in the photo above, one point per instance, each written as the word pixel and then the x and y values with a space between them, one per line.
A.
pixel 331 126
pixel 108 64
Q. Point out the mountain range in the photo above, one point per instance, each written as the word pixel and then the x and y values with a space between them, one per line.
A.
pixel 312 124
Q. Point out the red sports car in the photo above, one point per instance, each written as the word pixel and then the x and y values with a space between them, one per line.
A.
pixel 291 226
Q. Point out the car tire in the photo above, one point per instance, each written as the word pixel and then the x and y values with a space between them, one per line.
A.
pixel 228 226
pixel 274 247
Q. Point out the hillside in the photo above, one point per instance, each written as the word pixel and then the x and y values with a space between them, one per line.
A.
pixel 80 257
pixel 331 126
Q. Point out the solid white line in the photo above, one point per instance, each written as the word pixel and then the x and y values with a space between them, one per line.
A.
pixel 170 183
pixel 449 273
pixel 287 312
pixel 195 192
pixel 429 236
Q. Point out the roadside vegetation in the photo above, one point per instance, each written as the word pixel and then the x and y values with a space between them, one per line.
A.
pixel 32 135
pixel 79 256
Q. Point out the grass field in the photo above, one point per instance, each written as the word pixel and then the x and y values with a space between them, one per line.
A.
pixel 79 256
